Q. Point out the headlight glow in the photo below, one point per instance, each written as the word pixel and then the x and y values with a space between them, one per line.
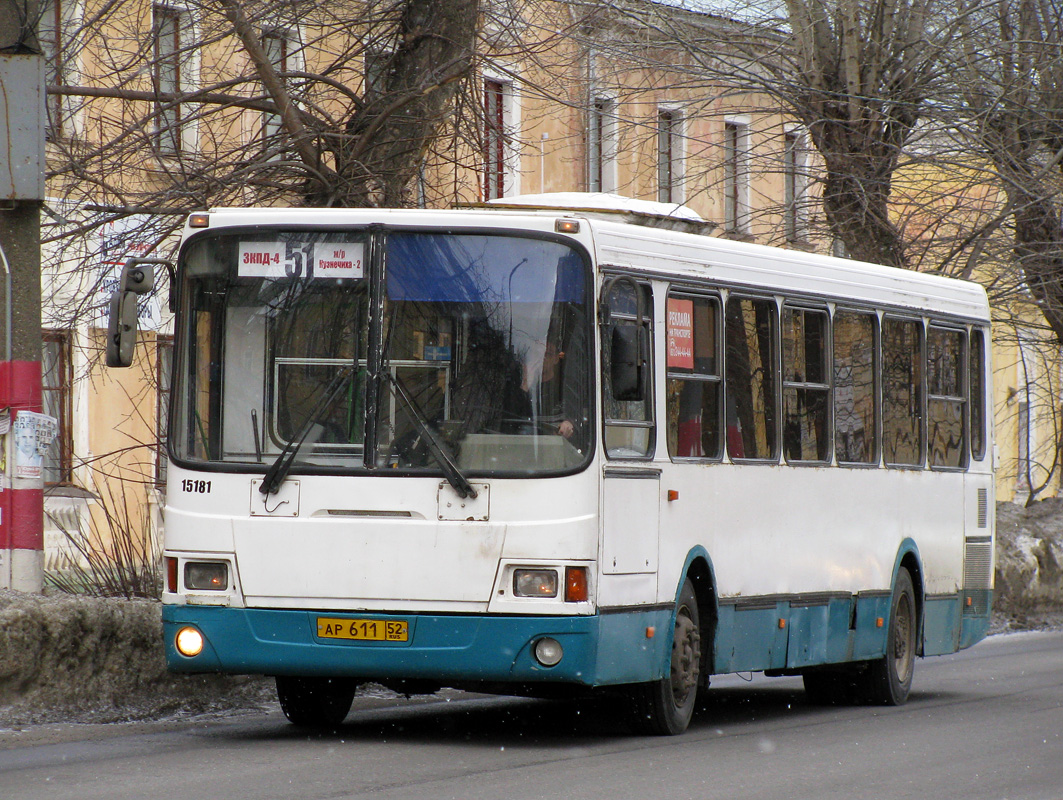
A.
pixel 189 642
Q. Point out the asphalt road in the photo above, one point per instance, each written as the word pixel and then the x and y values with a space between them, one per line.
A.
pixel 986 723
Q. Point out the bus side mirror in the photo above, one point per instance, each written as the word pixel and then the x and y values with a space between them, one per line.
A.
pixel 138 277
pixel 122 329
pixel 627 367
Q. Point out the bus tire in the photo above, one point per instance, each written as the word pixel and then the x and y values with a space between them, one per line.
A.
pixel 315 702
pixel 888 680
pixel 664 707
pixel 884 681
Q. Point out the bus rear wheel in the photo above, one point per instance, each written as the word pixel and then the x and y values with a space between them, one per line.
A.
pixel 315 702
pixel 664 707
pixel 886 680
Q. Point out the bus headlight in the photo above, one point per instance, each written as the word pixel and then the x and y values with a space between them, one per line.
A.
pixel 189 642
pixel 207 576
pixel 535 582
pixel 548 651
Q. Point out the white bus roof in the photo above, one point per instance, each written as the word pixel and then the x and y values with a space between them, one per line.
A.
pixel 621 237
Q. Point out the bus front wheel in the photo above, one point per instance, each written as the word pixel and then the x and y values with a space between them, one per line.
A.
pixel 315 702
pixel 664 707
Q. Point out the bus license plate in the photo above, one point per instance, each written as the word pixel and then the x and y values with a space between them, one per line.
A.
pixel 366 630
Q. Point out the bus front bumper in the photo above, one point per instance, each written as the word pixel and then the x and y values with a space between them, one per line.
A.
pixel 603 649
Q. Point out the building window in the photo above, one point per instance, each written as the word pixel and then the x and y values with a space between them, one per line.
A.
pixel 794 183
pixel 1022 484
pixel 163 372
pixel 278 46
pixel 601 146
pixel 736 177
pixel 495 97
pixel 169 80
pixel 56 381
pixel 50 33
pixel 669 156
pixel 378 70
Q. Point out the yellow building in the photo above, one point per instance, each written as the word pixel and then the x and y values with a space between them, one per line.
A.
pixel 157 110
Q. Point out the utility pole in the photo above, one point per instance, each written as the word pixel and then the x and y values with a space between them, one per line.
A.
pixel 22 164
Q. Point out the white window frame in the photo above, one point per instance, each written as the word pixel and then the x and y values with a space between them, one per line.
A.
pixel 289 59
pixel 507 166
pixel 795 183
pixel 736 150
pixel 58 22
pixel 602 143
pixel 187 62
pixel 671 153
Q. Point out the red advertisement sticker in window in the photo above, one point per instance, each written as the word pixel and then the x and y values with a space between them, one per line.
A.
pixel 680 333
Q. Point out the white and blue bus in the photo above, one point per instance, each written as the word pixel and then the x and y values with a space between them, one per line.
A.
pixel 538 449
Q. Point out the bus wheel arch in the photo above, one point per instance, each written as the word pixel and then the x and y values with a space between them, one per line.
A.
pixel 664 706
pixel 699 573
pixel 909 560
pixel 888 679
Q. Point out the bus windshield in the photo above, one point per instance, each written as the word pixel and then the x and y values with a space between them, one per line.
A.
pixel 302 342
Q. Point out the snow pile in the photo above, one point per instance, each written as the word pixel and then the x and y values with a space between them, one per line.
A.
pixel 1029 570
pixel 67 658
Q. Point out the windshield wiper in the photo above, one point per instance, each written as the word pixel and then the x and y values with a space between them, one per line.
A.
pixel 278 471
pixel 451 471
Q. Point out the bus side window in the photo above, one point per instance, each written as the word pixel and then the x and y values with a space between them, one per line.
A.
pixel 806 387
pixel 629 415
pixel 694 380
pixel 903 431
pixel 855 388
pixel 752 336
pixel 946 423
pixel 976 393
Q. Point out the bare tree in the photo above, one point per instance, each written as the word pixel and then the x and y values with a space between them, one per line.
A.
pixel 856 73
pixel 1012 81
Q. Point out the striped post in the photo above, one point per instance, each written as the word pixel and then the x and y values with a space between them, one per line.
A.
pixel 22 498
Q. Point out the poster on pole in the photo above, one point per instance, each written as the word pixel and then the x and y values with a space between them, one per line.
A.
pixel 34 434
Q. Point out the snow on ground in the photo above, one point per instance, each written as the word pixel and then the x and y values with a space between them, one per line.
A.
pixel 79 659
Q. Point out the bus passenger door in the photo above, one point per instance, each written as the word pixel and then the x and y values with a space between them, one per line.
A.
pixel 630 517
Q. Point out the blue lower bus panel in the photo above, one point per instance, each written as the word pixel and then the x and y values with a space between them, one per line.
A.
pixel 437 647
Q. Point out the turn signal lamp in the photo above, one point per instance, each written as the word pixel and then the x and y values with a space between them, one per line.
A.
pixel 189 642
pixel 576 585
pixel 171 574
pixel 535 583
